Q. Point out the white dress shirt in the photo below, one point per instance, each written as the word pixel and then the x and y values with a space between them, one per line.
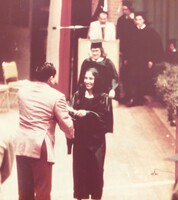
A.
pixel 95 31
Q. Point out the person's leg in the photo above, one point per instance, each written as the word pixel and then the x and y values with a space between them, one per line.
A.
pixel 97 171
pixel 42 171
pixel 25 178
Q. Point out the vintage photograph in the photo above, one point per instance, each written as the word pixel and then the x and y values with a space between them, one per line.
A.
pixel 88 100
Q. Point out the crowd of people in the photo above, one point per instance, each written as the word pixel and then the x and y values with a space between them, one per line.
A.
pixel 89 116
pixel 141 49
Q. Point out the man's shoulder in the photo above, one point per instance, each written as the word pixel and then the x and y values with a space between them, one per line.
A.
pixel 110 24
pixel 55 92
pixel 121 19
pixel 94 23
pixel 38 88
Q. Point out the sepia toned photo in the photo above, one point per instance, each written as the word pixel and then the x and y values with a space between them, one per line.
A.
pixel 88 100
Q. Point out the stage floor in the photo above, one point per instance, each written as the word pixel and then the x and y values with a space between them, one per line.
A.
pixel 135 168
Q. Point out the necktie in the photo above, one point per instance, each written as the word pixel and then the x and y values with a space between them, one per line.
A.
pixel 103 32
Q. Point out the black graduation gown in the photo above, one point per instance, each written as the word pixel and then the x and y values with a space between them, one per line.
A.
pixel 146 46
pixel 89 146
pixel 125 27
pixel 124 31
pixel 108 80
pixel 107 72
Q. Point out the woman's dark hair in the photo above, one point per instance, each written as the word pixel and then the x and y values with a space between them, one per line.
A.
pixel 45 71
pixel 143 15
pixel 103 53
pixel 97 82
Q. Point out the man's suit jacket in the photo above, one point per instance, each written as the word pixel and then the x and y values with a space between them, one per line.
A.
pixel 95 31
pixel 40 108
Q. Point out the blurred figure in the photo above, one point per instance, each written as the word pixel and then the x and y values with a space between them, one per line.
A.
pixel 102 29
pixel 145 51
pixel 124 29
pixel 90 111
pixel 175 191
pixel 40 108
pixel 6 156
pixel 175 186
pixel 171 55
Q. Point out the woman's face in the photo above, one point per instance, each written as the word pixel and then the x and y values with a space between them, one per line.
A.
pixel 89 80
pixel 95 53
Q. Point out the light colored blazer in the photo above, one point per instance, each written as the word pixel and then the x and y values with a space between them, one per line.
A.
pixel 95 32
pixel 40 108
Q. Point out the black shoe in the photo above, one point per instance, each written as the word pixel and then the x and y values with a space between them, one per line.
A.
pixel 133 102
pixel 173 122
pixel 123 100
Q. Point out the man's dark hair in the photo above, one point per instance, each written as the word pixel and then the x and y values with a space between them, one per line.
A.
pixel 128 4
pixel 102 11
pixel 45 71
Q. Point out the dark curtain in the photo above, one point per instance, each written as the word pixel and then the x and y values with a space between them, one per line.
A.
pixel 98 10
pixel 163 17
pixel 81 15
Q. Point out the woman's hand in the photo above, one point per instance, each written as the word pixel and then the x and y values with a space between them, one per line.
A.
pixel 71 110
pixel 112 94
pixel 80 113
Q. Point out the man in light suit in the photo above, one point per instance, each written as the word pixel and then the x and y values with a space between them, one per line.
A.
pixel 40 108
pixel 102 29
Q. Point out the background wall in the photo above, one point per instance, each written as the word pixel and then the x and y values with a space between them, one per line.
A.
pixel 17 31
pixel 15 35
pixel 161 13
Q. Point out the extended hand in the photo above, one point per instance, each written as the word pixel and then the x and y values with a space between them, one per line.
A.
pixel 80 113
pixel 112 94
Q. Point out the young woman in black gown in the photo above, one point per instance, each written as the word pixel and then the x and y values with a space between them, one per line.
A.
pixel 91 108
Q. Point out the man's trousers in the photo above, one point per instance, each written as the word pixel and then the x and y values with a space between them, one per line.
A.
pixel 34 177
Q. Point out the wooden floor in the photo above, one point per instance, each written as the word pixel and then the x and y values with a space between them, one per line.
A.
pixel 136 166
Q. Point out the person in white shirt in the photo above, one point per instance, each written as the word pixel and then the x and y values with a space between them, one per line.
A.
pixel 102 29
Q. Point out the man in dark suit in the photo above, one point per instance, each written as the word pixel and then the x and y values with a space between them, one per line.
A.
pixel 124 31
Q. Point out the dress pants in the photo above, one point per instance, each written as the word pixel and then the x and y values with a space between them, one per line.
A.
pixel 34 177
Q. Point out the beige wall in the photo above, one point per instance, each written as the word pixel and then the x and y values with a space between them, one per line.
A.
pixel 113 9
